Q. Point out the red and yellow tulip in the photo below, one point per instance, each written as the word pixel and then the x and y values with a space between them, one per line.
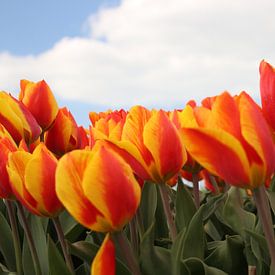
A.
pixel 40 101
pixel 7 145
pixel 17 119
pixel 150 142
pixel 65 135
pixel 231 140
pixel 32 179
pixel 98 189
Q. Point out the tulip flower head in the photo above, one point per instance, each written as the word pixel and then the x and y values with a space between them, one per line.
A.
pixel 17 119
pixel 40 101
pixel 231 140
pixel 32 179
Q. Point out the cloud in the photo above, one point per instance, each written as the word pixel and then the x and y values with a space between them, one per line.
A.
pixel 155 53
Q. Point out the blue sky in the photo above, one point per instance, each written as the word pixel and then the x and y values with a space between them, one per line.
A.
pixel 97 55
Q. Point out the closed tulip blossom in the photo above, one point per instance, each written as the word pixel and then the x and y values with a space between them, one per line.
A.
pixel 65 135
pixel 17 119
pixel 231 140
pixel 98 189
pixel 7 145
pixel 40 101
pixel 32 179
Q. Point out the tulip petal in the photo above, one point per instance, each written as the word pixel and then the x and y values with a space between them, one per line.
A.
pixel 40 180
pixel 164 143
pixel 69 175
pixel 133 130
pixel 104 262
pixel 220 153
pixel 16 167
pixel 110 185
pixel 267 88
pixel 257 134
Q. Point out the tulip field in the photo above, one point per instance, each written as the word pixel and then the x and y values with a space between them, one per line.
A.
pixel 153 192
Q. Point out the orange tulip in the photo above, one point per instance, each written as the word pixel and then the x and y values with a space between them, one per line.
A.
pixel 7 145
pixel 267 88
pixel 40 101
pixel 149 142
pixel 65 135
pixel 17 119
pixel 32 179
pixel 231 140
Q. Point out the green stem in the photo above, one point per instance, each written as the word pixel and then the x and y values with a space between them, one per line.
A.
pixel 29 239
pixel 263 208
pixel 127 252
pixel 167 210
pixel 15 237
pixel 196 191
pixel 63 243
pixel 133 234
pixel 214 183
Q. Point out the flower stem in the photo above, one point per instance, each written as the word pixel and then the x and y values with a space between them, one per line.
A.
pixel 29 239
pixel 262 204
pixel 133 233
pixel 63 243
pixel 15 237
pixel 127 252
pixel 196 191
pixel 167 210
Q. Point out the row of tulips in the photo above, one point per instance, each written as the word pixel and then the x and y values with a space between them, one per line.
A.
pixel 101 175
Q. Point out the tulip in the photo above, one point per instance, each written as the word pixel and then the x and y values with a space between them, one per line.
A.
pixel 148 141
pixel 99 190
pixel 267 88
pixel 17 119
pixel 232 141
pixel 7 145
pixel 40 101
pixel 65 135
pixel 32 179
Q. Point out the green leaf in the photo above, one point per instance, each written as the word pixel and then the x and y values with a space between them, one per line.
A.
pixel 27 261
pixel 271 197
pixel 197 266
pixel 87 251
pixel 148 204
pixel 71 228
pixel 57 264
pixel 153 259
pixel 259 246
pixel 83 269
pixel 228 255
pixel 39 236
pixel 190 242
pixel 235 216
pixel 185 207
pixel 6 244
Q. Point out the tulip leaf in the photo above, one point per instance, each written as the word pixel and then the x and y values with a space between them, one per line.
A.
pixel 271 197
pixel 185 207
pixel 185 246
pixel 234 214
pixel 39 236
pixel 153 259
pixel 197 266
pixel 27 261
pixel 83 269
pixel 6 243
pixel 57 264
pixel 87 251
pixel 228 255
pixel 148 204
pixel 71 228
pixel 259 246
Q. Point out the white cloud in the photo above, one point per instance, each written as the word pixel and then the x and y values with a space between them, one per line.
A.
pixel 155 52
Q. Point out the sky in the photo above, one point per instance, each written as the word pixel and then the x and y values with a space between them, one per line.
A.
pixel 97 55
